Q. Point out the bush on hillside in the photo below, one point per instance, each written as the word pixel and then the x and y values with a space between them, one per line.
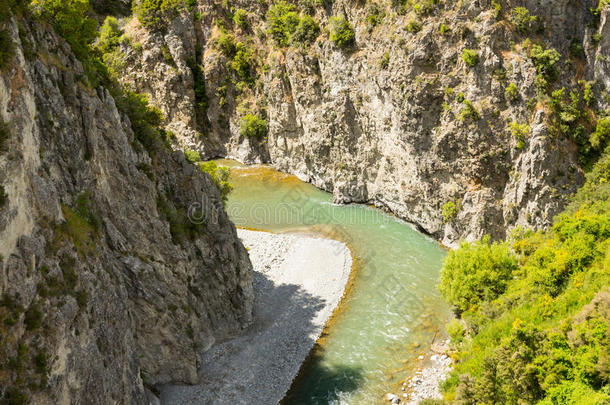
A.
pixel 307 31
pixel 476 272
pixel 341 32
pixel 599 139
pixel 7 48
pixel 523 20
pixel 154 14
pixel 282 21
pixel 220 176
pixel 109 35
pixel 240 18
pixel 511 93
pixel 470 57
pixel 253 126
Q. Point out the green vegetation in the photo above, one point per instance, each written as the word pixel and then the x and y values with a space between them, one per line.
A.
pixel 534 309
pixel 71 20
pixel 444 29
pixel 181 227
pixel 286 26
pixel 243 63
pixel 253 126
pixel 5 134
pixel 240 18
pixel 470 57
pixel 192 155
pixel 307 31
pixel 109 35
pixel 3 197
pixel 523 20
pixel 520 132
pixel 599 139
pixel 7 48
pixel 511 93
pixel 226 43
pixel 220 176
pixel 154 14
pixel 476 272
pixel 449 211
pixel 341 32
pixel 375 15
pixel 282 21
pixel 468 112
pixel 545 61
pixel 384 62
pixel 415 26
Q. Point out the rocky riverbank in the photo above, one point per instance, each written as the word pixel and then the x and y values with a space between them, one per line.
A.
pixel 298 282
pixel 424 383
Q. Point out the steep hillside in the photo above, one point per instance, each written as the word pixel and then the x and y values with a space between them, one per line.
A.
pixel 106 285
pixel 445 113
pixel 534 311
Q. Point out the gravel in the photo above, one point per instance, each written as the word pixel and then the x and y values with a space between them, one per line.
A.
pixel 298 282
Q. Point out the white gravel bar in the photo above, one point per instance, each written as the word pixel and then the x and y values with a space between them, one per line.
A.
pixel 298 282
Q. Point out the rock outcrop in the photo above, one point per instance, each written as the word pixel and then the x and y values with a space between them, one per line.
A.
pixel 386 122
pixel 106 285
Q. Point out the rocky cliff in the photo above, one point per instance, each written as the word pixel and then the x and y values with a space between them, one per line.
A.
pixel 402 117
pixel 106 285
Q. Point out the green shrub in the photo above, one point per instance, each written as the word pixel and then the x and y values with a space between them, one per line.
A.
pixel 282 21
pixel 444 29
pixel 5 134
pixel 468 112
pixel 226 43
pixel 240 18
pixel 374 16
pixel 519 132
pixel 523 20
pixel 7 48
pixel 511 93
pixel 252 126
pixel 449 211
pixel 470 57
pixel 192 155
pixel 545 60
pixel 3 197
pixel 71 20
pixel 341 32
pixel 220 176
pixel 599 139
pixel 424 7
pixel 307 31
pixel 243 63
pixel 109 35
pixel 476 272
pixel 154 14
pixel 33 317
pixel 456 331
pixel 415 26
pixel 384 62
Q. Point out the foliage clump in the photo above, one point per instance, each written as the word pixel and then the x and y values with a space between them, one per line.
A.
pixel 537 331
pixel 599 139
pixel 415 26
pixel 192 155
pixel 154 14
pixel 240 18
pixel 341 32
pixel 282 21
pixel 307 31
pixel 519 132
pixel 470 57
pixel 253 127
pixel 220 176
pixel 511 93
pixel 476 272
pixel 449 211
pixel 7 48
pixel 523 20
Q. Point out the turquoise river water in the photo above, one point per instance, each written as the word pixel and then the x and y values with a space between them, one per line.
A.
pixel 392 310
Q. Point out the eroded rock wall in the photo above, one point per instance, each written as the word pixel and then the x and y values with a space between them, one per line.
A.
pixel 100 299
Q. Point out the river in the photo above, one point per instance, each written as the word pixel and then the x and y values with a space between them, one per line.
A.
pixel 392 310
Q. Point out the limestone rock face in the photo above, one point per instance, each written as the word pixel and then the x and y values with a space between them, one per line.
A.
pixel 396 135
pixel 100 291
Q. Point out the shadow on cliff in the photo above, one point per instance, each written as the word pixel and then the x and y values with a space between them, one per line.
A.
pixel 259 365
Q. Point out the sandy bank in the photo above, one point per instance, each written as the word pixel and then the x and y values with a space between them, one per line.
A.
pixel 298 282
